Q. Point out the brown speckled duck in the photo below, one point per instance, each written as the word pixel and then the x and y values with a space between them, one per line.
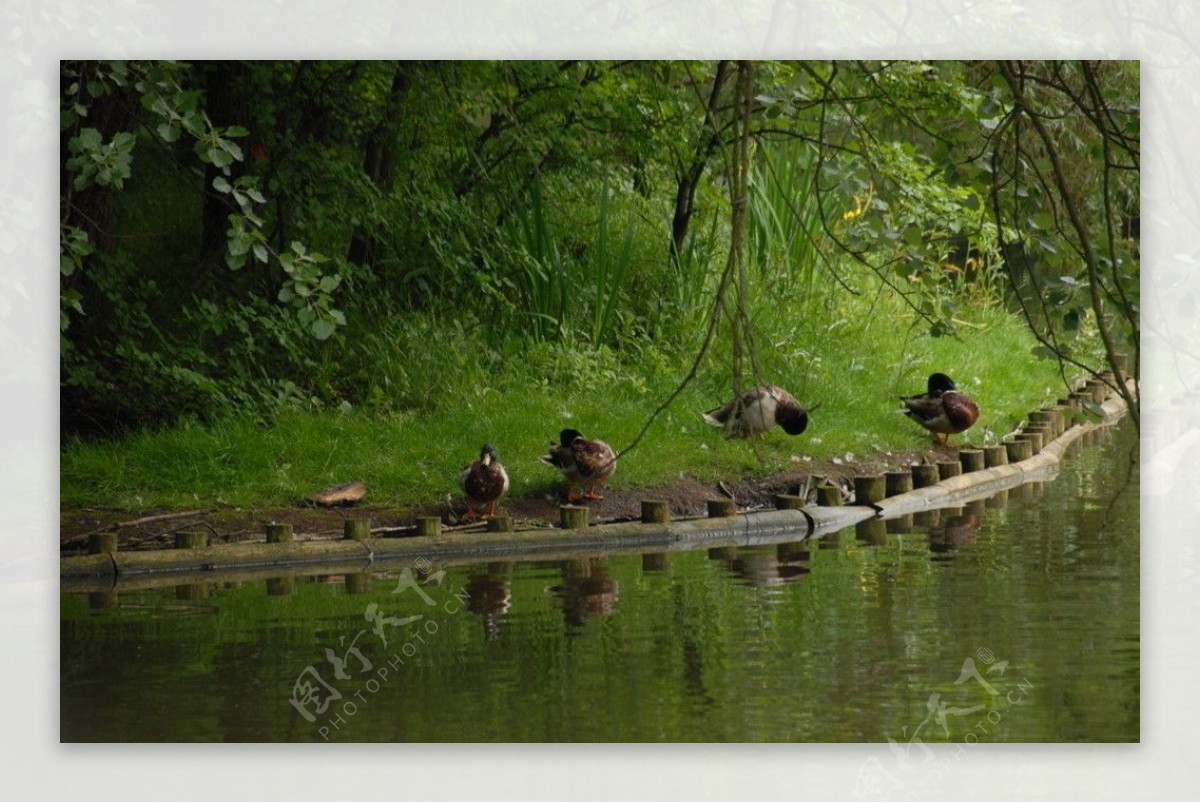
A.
pixel 585 463
pixel 484 482
pixel 941 409
pixel 757 410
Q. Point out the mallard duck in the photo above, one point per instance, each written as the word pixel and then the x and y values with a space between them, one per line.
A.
pixel 757 410
pixel 483 481
pixel 586 463
pixel 941 409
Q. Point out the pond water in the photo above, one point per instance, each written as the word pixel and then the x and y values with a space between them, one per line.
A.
pixel 1013 619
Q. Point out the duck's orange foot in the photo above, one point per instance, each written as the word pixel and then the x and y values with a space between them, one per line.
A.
pixel 592 495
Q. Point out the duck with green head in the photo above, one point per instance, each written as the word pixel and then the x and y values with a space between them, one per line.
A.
pixel 585 463
pixel 942 409
pixel 757 410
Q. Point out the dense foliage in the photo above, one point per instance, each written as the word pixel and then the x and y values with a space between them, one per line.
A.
pixel 244 237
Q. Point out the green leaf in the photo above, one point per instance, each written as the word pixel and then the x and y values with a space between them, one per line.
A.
pixel 322 328
pixel 89 138
pixel 220 184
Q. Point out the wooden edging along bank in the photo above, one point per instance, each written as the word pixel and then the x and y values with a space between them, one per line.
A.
pixel 141 569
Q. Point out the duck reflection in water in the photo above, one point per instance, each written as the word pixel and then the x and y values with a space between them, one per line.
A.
pixel 586 591
pixel 765 569
pixel 954 532
pixel 490 597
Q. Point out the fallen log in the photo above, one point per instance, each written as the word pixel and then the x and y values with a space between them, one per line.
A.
pixel 347 494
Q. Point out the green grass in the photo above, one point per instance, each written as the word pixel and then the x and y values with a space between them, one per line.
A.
pixel 855 361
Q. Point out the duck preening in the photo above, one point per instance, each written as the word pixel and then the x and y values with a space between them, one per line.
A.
pixel 484 482
pixel 585 463
pixel 757 410
pixel 941 409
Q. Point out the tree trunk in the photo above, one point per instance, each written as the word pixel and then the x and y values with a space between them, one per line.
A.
pixel 685 196
pixel 379 163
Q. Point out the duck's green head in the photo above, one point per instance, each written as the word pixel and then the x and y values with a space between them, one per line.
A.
pixel 488 455
pixel 792 418
pixel 939 384
pixel 568 436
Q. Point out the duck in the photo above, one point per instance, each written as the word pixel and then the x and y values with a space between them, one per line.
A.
pixel 585 463
pixel 484 481
pixel 757 410
pixel 941 409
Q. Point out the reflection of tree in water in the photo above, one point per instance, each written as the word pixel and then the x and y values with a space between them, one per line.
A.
pixel 489 596
pixel 586 591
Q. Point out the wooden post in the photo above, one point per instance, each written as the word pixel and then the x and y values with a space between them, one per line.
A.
pixel 788 502
pixel 728 553
pixel 948 469
pixel 1063 421
pixel 1077 399
pixel 995 456
pixel 656 511
pixel 719 508
pixel 898 482
pixel 996 500
pixel 100 543
pixel 278 533
pixel 1018 450
pixel 900 524
pixel 1098 390
pixel 971 460
pixel 191 539
pixel 1046 419
pixel 359 582
pixel 500 524
pixel 573 517
pixel 829 496
pixel 925 475
pixel 356 529
pixel 974 508
pixel 868 490
pixel 1034 438
pixel 430 526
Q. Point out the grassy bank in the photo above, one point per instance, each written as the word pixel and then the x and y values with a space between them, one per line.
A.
pixel 854 361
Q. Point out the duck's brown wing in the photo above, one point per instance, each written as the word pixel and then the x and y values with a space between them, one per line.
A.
pixel 961 410
pixel 561 457
pixel 922 408
pixel 594 459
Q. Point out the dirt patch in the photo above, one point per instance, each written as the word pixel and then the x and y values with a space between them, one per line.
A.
pixel 687 498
